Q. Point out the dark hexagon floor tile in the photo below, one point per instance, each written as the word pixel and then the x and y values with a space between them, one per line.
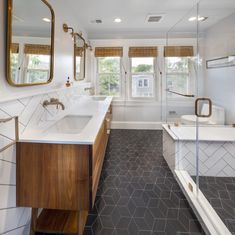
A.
pixel 138 194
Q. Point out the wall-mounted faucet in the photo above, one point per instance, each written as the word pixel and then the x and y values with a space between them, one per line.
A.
pixel 53 101
pixel 90 89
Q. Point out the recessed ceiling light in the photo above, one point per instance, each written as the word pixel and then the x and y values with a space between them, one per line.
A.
pixel 117 20
pixel 192 18
pixel 200 18
pixel 46 20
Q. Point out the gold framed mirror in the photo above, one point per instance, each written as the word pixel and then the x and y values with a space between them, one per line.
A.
pixel 30 42
pixel 79 57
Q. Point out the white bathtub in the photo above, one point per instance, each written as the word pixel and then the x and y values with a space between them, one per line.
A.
pixel 216 149
pixel 206 133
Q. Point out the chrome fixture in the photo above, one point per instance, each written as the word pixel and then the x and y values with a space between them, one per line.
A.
pixel 53 101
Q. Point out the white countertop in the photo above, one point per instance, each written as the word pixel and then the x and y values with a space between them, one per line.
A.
pixel 85 106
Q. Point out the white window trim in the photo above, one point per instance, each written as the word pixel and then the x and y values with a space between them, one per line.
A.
pixel 155 82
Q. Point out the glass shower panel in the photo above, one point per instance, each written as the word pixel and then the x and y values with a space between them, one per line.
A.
pixel 181 72
pixel 216 142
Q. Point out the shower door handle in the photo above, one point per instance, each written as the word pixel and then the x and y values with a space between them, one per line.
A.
pixel 196 107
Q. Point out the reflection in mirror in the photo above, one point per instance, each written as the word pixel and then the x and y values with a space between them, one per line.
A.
pixel 79 57
pixel 30 45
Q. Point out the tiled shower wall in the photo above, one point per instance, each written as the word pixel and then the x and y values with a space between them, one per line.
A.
pixel 15 221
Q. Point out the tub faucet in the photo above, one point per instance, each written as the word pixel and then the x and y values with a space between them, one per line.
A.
pixel 53 101
pixel 90 89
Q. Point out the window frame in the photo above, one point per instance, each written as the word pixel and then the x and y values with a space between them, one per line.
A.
pixel 190 85
pixel 155 82
pixel 97 92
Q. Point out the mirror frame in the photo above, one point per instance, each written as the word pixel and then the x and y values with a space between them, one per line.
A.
pixel 74 57
pixel 9 41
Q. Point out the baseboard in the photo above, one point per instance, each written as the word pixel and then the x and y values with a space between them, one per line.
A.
pixel 137 125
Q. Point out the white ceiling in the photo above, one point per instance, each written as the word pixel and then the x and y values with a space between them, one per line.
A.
pixel 27 18
pixel 134 13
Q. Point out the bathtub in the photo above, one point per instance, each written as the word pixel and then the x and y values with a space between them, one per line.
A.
pixel 216 149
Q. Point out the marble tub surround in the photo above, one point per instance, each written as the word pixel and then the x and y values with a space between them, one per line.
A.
pixel 82 106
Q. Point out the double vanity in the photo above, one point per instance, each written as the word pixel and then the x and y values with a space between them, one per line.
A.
pixel 59 166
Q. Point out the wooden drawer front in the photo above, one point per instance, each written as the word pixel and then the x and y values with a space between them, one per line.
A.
pixel 98 154
pixel 53 176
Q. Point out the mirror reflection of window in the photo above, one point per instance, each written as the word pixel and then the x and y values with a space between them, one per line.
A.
pixel 14 61
pixel 79 51
pixel 37 63
pixel 31 40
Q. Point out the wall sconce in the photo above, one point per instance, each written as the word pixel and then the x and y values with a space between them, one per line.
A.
pixel 88 45
pixel 66 28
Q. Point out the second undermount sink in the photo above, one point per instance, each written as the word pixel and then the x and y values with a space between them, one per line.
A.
pixel 70 124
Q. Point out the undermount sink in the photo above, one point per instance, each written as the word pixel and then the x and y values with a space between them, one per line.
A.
pixel 70 124
pixel 99 98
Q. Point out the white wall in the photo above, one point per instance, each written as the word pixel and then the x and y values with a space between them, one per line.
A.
pixel 143 114
pixel 13 220
pixel 220 82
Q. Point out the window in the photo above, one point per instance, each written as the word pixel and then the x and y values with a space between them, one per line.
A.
pixel 78 66
pixel 142 77
pixel 38 67
pixel 179 75
pixel 109 75
pixel 14 62
pixel 14 66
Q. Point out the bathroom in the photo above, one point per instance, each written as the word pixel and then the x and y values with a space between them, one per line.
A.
pixel 117 120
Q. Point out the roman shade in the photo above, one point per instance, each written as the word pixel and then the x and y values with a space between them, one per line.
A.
pixel 37 49
pixel 79 51
pixel 143 52
pixel 108 52
pixel 15 48
pixel 178 51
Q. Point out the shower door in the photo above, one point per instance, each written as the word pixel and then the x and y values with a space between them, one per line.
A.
pixel 199 110
pixel 215 146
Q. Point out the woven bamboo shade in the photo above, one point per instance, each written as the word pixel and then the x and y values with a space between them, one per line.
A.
pixel 178 51
pixel 79 51
pixel 108 52
pixel 143 52
pixel 37 49
pixel 15 48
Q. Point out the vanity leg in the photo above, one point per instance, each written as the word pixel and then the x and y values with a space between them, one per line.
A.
pixel 34 216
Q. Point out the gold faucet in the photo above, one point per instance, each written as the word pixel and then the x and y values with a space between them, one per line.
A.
pixel 53 101
pixel 90 89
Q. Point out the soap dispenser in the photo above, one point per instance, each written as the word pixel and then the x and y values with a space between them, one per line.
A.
pixel 68 84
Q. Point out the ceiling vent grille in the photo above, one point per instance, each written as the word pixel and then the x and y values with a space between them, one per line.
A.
pixel 154 18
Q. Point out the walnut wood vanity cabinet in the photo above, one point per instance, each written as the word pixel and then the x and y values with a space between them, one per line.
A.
pixel 62 179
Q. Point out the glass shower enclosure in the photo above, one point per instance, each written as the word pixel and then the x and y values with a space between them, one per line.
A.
pixel 199 134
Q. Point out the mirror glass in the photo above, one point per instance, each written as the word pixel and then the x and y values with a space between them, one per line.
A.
pixel 30 42
pixel 79 57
